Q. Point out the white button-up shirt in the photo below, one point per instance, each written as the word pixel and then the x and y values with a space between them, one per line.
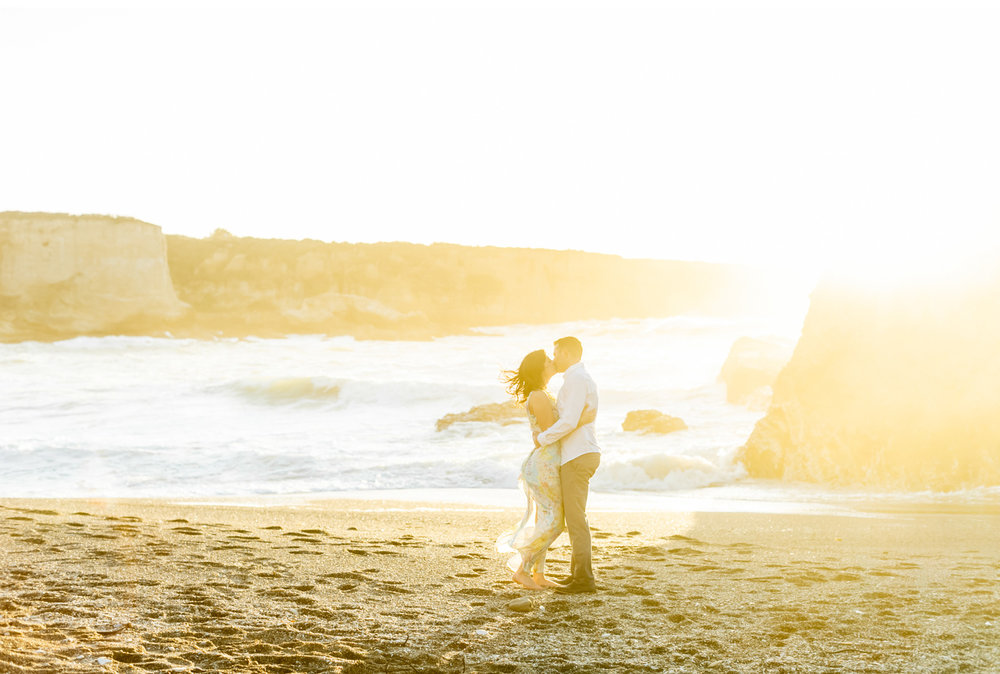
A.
pixel 578 391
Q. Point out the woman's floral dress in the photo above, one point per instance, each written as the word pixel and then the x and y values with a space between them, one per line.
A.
pixel 543 518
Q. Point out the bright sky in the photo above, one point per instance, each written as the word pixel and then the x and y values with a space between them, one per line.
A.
pixel 799 132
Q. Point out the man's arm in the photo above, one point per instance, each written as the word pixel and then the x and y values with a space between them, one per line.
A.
pixel 573 399
pixel 589 416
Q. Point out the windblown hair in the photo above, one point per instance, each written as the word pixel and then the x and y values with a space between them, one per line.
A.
pixel 528 377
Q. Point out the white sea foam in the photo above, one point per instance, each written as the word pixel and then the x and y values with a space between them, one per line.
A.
pixel 137 416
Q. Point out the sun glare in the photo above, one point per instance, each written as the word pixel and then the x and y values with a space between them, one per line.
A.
pixel 905 261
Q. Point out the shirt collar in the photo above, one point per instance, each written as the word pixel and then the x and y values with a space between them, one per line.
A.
pixel 575 366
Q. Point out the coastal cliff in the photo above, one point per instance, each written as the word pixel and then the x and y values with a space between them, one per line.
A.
pixel 66 275
pixel 63 276
pixel 409 290
pixel 894 389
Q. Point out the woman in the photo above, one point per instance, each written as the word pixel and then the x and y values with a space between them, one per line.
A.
pixel 543 518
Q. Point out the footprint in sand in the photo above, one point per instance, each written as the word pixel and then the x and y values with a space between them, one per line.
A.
pixel 243 538
pixel 650 551
pixel 686 552
pixel 188 531
pixel 475 592
pixel 32 511
pixel 846 576
pixel 687 539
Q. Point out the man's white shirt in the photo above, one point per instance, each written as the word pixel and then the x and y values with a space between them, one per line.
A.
pixel 578 391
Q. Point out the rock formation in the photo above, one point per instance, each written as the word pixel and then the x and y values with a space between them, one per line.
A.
pixel 896 388
pixel 751 368
pixel 504 413
pixel 652 421
pixel 64 275
pixel 412 291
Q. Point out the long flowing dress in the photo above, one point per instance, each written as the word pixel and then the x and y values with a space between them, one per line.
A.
pixel 543 517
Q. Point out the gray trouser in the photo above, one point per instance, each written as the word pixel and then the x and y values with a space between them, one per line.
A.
pixel 575 477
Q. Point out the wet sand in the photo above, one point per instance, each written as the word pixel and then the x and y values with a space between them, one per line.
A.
pixel 351 586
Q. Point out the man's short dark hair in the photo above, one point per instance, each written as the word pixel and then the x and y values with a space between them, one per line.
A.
pixel 570 345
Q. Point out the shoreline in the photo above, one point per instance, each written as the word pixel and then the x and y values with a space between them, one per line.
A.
pixel 372 585
pixel 447 499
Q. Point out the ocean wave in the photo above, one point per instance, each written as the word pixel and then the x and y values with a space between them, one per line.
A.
pixel 327 390
pixel 664 472
pixel 287 390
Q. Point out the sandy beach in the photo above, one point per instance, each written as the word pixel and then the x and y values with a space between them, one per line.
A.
pixel 359 586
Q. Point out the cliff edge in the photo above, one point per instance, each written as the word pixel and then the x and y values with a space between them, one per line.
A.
pixel 67 275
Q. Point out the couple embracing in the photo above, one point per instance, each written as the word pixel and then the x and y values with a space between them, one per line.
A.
pixel 556 475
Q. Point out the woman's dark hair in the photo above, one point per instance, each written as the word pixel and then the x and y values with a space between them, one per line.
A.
pixel 528 377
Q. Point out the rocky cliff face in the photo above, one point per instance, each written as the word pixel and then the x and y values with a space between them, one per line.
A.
pixel 751 368
pixel 898 389
pixel 63 275
pixel 413 290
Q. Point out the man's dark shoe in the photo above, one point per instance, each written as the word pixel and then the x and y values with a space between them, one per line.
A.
pixel 577 587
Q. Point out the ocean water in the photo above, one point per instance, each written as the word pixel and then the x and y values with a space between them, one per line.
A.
pixel 178 418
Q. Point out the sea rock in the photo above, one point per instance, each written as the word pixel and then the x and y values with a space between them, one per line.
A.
pixel 521 605
pixel 68 275
pixel 504 413
pixel 652 421
pixel 751 368
pixel 890 387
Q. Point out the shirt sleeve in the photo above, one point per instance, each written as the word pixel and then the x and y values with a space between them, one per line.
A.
pixel 572 399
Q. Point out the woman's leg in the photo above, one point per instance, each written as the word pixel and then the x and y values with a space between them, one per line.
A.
pixel 522 575
pixel 546 537
pixel 549 522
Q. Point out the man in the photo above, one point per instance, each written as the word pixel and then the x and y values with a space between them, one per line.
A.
pixel 580 457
